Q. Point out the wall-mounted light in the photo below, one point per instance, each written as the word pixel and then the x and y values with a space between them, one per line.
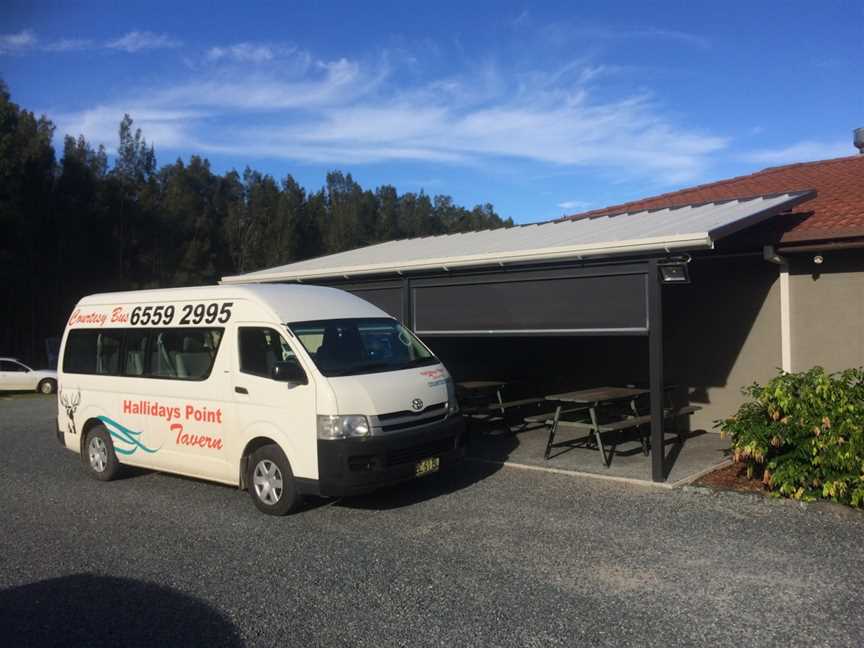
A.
pixel 818 259
pixel 674 270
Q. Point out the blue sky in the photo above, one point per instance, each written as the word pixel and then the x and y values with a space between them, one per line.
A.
pixel 542 109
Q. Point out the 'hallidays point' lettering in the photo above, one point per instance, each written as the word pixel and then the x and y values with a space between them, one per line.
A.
pixel 172 413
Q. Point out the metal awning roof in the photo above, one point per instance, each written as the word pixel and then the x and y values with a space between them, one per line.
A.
pixel 691 227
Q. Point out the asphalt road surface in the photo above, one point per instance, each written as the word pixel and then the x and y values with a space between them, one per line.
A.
pixel 483 557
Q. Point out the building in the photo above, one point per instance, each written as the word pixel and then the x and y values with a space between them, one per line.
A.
pixel 819 287
pixel 707 289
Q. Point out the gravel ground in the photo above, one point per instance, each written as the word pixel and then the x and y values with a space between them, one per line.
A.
pixel 485 556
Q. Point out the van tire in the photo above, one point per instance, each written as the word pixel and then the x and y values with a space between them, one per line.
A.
pixel 98 454
pixel 47 386
pixel 271 481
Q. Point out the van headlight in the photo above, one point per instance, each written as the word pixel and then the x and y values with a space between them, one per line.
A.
pixel 331 426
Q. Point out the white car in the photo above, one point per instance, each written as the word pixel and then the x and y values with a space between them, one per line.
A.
pixel 15 375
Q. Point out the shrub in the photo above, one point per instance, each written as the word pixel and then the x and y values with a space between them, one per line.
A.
pixel 803 434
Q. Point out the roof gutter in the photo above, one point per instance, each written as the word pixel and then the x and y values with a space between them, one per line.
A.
pixel 578 253
pixel 827 246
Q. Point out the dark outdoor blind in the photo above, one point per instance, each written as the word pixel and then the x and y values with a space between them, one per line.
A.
pixel 574 304
pixel 387 299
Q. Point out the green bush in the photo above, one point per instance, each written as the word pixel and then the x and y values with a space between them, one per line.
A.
pixel 803 434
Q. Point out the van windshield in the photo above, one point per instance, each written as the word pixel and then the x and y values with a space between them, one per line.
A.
pixel 348 347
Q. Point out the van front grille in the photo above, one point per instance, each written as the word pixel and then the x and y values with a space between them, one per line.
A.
pixel 409 413
pixel 404 425
pixel 396 421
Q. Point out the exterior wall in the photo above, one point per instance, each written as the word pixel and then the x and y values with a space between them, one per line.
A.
pixel 722 332
pixel 827 309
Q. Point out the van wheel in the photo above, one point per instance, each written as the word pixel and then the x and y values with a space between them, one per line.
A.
pixel 47 386
pixel 271 482
pixel 98 456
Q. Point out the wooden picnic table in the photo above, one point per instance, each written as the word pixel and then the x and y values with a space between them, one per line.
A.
pixel 594 399
pixel 598 395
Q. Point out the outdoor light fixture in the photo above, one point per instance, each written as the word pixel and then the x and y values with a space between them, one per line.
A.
pixel 674 270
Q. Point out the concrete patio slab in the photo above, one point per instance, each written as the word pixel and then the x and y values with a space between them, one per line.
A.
pixel 699 453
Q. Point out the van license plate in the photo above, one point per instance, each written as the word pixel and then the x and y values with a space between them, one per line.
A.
pixel 427 466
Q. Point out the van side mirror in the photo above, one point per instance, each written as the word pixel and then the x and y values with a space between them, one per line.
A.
pixel 289 372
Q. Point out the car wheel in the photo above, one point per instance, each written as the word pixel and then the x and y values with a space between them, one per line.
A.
pixel 47 386
pixel 271 482
pixel 98 456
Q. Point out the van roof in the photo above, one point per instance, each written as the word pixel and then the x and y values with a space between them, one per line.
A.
pixel 288 302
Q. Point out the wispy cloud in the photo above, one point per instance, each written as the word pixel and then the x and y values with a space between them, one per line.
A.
pixel 363 111
pixel 171 129
pixel 132 42
pixel 249 52
pixel 69 45
pixel 17 42
pixel 668 34
pixel 563 32
pixel 319 85
pixel 135 41
pixel 804 151
pixel 575 205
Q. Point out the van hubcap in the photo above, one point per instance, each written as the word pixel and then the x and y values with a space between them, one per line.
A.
pixel 267 480
pixel 98 453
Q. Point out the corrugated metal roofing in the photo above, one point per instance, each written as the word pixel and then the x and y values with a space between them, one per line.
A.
pixel 689 227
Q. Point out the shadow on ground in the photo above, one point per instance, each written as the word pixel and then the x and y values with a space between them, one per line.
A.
pixel 88 610
pixel 453 479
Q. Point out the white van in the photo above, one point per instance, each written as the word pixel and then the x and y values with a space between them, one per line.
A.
pixel 284 390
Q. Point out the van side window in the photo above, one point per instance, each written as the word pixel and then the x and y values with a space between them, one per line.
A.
pixel 260 349
pixel 108 352
pixel 93 352
pixel 183 353
pixel 136 349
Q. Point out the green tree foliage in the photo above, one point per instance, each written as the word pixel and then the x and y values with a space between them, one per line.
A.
pixel 86 224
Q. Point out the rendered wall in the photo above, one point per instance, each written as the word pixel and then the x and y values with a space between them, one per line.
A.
pixel 827 308
pixel 722 332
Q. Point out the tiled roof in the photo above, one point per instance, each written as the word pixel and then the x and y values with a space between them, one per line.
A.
pixel 836 212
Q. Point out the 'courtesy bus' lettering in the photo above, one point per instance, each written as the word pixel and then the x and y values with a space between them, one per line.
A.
pixel 78 317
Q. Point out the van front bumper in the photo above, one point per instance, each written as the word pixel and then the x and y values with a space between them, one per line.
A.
pixel 361 465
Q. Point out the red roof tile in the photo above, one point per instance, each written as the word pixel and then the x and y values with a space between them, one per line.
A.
pixel 837 210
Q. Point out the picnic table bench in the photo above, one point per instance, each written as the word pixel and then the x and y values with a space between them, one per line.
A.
pixel 596 431
pixel 477 399
pixel 500 406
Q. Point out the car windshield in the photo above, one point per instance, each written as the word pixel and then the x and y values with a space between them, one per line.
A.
pixel 348 347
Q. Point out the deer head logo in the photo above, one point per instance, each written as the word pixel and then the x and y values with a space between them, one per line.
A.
pixel 70 404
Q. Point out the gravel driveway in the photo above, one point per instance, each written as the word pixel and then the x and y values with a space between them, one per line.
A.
pixel 486 556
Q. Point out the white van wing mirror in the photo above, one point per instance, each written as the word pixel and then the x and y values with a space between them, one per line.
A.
pixel 289 371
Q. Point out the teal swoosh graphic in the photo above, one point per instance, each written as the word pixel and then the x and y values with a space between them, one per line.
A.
pixel 125 436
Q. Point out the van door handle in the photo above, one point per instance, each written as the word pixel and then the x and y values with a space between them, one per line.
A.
pixel 241 390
